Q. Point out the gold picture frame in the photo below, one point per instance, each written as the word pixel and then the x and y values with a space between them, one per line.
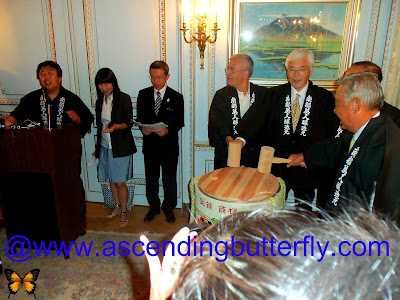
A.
pixel 268 30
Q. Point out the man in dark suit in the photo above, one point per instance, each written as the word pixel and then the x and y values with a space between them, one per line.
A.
pixel 286 119
pixel 367 66
pixel 366 154
pixel 155 104
pixel 328 175
pixel 228 107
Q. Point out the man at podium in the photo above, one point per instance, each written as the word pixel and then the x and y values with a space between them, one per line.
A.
pixel 65 106
pixel 46 164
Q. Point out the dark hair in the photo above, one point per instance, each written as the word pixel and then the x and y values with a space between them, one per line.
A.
pixel 369 66
pixel 159 64
pixel 105 75
pixel 49 63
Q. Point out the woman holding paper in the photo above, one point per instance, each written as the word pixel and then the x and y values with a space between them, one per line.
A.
pixel 115 144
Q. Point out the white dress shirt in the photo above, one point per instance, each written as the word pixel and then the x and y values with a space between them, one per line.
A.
pixel 162 92
pixel 105 119
pixel 244 101
pixel 302 94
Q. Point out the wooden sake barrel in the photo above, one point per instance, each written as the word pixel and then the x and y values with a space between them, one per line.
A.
pixel 239 184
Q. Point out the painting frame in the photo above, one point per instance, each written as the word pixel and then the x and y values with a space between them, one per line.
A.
pixel 341 60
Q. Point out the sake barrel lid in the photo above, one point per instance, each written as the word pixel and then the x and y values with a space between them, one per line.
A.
pixel 239 184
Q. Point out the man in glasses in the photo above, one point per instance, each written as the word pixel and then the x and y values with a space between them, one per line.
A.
pixel 160 103
pixel 227 109
pixel 290 119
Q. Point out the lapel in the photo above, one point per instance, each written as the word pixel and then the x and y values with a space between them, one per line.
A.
pixel 234 95
pixel 234 107
pixel 99 107
pixel 368 130
pixel 164 102
pixel 286 111
pixel 364 136
pixel 113 110
pixel 252 98
pixel 387 198
pixel 166 98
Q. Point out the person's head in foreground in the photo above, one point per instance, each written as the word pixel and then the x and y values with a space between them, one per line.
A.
pixel 367 266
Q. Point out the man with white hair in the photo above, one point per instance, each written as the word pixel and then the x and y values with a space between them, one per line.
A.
pixel 366 155
pixel 368 66
pixel 286 119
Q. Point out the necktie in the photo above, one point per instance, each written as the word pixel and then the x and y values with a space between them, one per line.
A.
pixel 157 104
pixel 352 142
pixel 295 112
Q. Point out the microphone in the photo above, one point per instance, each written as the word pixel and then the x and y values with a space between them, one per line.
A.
pixel 47 100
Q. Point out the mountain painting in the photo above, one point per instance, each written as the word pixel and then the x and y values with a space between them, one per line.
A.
pixel 270 31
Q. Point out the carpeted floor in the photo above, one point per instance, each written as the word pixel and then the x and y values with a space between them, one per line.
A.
pixel 85 277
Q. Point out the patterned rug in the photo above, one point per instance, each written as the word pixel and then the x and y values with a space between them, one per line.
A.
pixel 106 276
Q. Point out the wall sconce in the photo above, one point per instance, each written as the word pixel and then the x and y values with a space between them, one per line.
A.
pixel 201 36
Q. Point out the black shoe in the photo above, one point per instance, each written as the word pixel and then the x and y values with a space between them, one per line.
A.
pixel 170 217
pixel 151 215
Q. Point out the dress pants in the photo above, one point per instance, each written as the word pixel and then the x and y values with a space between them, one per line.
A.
pixel 168 164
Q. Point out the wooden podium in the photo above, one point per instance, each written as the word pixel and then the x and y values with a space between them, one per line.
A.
pixel 41 193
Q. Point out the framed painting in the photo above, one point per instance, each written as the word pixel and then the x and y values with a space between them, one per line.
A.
pixel 269 30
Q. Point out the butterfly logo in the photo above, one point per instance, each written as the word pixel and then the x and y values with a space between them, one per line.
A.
pixel 15 281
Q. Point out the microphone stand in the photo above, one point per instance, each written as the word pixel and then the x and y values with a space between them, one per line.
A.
pixel 48 112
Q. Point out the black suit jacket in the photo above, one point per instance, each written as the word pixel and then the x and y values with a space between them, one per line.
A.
pixel 220 125
pixel 266 120
pixel 122 141
pixel 171 113
pixel 392 112
pixel 327 176
pixel 373 168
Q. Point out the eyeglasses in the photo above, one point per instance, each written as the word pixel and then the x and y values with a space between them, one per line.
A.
pixel 301 70
pixel 232 70
pixel 156 77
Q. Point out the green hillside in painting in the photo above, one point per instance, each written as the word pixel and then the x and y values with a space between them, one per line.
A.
pixel 275 41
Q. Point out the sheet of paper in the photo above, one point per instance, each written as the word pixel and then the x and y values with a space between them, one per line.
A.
pixel 156 126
